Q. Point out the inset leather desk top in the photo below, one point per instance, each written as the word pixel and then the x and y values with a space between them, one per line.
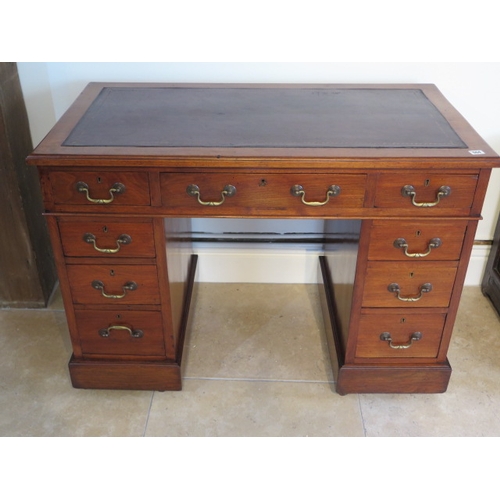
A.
pixel 263 118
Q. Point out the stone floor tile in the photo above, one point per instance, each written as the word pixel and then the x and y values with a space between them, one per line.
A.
pixel 254 408
pixel 254 331
pixel 36 396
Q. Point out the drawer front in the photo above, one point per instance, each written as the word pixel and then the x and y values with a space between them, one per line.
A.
pixel 395 240
pixel 408 284
pixel 117 332
pixel 396 335
pixel 440 194
pixel 100 188
pixel 227 194
pixel 100 238
pixel 114 285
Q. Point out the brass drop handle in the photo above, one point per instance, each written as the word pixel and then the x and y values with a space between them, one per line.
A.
pixel 394 288
pixel 116 188
pixel 136 334
pixel 123 239
pixel 409 191
pixel 228 191
pixel 127 287
pixel 298 190
pixel 386 336
pixel 433 243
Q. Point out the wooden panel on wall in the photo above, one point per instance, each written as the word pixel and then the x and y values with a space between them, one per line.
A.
pixel 27 271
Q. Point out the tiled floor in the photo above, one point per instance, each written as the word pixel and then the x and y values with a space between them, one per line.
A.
pixel 255 365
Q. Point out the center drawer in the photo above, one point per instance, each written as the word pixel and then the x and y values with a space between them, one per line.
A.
pixel 113 284
pixel 273 194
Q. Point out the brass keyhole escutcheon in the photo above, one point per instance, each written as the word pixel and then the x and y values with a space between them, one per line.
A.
pixel 263 182
pixel 427 182
pixel 112 272
pixel 99 180
pixel 418 233
pixel 411 275
pixel 105 229
pixel 402 320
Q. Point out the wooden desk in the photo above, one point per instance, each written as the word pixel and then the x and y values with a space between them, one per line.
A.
pixel 394 170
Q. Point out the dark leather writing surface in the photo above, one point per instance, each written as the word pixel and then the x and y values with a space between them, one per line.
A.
pixel 263 117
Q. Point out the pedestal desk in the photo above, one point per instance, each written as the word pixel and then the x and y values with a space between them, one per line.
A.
pixel 394 171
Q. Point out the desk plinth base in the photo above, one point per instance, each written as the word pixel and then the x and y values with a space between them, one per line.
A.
pixel 428 379
pixel 145 376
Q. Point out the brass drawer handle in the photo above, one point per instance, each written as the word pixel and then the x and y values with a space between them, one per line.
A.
pixel 127 287
pixel 228 191
pixel 136 334
pixel 433 243
pixel 116 188
pixel 386 336
pixel 298 190
pixel 123 239
pixel 409 190
pixel 394 288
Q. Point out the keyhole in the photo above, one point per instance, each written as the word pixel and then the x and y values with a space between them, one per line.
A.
pixel 427 182
pixel 105 229
pixel 112 272
pixel 418 233
pixel 411 275
pixel 118 316
pixel 263 182
pixel 402 320
pixel 99 180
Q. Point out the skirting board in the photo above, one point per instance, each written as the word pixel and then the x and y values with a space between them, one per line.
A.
pixel 282 265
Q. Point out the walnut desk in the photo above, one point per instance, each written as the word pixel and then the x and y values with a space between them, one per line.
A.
pixel 396 173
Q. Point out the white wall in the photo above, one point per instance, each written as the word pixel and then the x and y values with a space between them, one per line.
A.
pixel 50 88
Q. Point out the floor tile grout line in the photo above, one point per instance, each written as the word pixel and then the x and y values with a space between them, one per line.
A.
pixel 361 415
pixel 236 379
pixel 148 414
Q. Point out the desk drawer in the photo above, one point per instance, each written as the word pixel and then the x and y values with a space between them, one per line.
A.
pixel 438 194
pixel 421 240
pixel 92 238
pixel 114 284
pixel 100 188
pixel 117 332
pixel 234 194
pixel 394 335
pixel 408 284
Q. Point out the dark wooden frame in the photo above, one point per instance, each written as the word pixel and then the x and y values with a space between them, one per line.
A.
pixel 491 279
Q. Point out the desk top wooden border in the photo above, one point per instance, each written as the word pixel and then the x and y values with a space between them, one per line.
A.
pixel 51 152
